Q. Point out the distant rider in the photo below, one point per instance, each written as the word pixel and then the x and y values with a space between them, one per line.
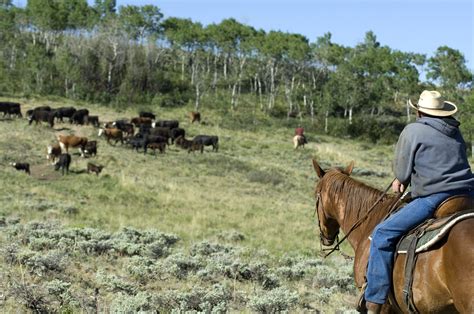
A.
pixel 300 131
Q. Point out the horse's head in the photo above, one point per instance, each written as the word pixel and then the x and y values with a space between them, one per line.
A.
pixel 325 205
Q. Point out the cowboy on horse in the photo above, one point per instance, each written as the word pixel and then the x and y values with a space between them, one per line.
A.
pixel 431 157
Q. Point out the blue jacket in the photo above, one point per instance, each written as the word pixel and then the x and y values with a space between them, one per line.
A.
pixel 431 155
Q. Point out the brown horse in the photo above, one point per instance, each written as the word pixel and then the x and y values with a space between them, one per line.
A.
pixel 443 276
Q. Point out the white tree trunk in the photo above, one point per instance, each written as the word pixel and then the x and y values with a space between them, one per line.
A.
pixel 193 72
pixel 289 100
pixel 111 62
pixel 198 96
pixel 214 79
pixel 271 102
pixel 12 57
pixel 236 86
pixel 182 66
pixel 225 66
pixel 326 121
pixel 233 98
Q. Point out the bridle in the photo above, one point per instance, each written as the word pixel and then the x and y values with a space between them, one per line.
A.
pixel 322 238
pixel 336 247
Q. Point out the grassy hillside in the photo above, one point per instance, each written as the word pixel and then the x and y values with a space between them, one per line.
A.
pixel 232 230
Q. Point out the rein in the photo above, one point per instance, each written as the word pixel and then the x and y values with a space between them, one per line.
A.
pixel 361 220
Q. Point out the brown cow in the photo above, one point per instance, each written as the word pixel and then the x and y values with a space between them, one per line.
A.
pixel 54 151
pixel 66 141
pixel 160 146
pixel 191 146
pixel 94 168
pixel 138 121
pixel 112 133
pixel 195 116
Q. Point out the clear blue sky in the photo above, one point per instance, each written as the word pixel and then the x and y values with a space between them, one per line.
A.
pixel 408 25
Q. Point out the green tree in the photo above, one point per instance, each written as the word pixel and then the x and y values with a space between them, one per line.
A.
pixel 79 14
pixel 105 8
pixel 140 21
pixel 235 41
pixel 466 117
pixel 47 15
pixel 184 36
pixel 448 66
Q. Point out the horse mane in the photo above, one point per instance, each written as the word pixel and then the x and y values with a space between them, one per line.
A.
pixel 358 196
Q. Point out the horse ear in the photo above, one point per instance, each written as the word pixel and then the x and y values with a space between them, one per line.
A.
pixel 318 169
pixel 349 168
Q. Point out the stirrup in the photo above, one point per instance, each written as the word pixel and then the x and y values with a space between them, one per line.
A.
pixel 360 306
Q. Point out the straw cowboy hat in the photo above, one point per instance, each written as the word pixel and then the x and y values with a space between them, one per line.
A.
pixel 432 103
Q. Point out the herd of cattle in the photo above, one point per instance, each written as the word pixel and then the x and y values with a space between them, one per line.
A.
pixel 140 133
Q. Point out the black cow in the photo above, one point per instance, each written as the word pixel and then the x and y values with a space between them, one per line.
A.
pixel 117 123
pixel 63 163
pixel 137 142
pixel 15 110
pixel 91 148
pixel 207 140
pixel 21 166
pixel 144 129
pixel 94 120
pixel 149 139
pixel 145 114
pixel 166 124
pixel 30 112
pixel 45 116
pixel 161 131
pixel 79 116
pixel 122 125
pixel 5 107
pixel 10 108
pixel 63 112
pixel 175 133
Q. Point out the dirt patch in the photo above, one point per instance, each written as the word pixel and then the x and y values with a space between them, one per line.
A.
pixel 44 172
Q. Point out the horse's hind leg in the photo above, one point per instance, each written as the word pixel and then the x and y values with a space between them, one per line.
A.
pixel 458 257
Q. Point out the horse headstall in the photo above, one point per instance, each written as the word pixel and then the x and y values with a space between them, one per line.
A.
pixel 324 242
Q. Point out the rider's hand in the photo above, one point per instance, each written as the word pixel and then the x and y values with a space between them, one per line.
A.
pixel 397 186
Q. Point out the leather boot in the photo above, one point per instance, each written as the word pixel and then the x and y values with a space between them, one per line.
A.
pixel 373 308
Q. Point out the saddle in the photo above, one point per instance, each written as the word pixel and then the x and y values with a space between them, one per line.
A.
pixel 424 236
pixel 454 204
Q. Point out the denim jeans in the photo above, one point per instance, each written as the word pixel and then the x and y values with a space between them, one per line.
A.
pixel 386 236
